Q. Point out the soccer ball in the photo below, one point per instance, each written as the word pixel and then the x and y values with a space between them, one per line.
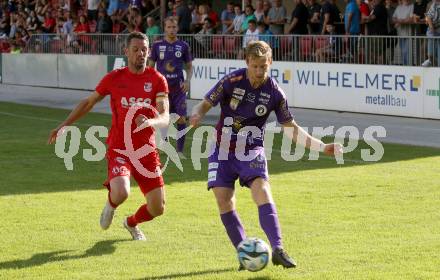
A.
pixel 253 254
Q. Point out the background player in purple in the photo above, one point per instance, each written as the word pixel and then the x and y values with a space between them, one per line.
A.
pixel 172 57
pixel 247 97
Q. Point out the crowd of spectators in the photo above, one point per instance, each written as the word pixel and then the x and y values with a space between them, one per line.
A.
pixel 69 19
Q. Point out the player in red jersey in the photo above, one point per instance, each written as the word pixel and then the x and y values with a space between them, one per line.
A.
pixel 139 101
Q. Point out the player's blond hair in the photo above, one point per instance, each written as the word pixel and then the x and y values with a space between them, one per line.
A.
pixel 172 19
pixel 257 49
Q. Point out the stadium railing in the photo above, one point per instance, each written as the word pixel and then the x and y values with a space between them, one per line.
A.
pixel 383 50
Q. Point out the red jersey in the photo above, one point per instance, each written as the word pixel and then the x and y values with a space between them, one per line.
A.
pixel 127 90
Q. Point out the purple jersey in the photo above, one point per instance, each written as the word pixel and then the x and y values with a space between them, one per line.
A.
pixel 247 106
pixel 171 59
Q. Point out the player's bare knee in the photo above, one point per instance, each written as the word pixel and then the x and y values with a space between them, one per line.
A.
pixel 157 210
pixel 122 193
pixel 225 204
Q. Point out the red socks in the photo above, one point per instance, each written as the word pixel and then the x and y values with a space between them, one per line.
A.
pixel 141 215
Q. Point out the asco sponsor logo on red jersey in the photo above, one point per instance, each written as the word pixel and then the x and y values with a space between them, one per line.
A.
pixel 127 102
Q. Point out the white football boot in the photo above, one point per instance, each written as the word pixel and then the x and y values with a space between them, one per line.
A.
pixel 106 216
pixel 135 232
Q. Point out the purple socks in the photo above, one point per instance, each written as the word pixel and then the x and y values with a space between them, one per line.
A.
pixel 233 227
pixel 269 223
pixel 180 138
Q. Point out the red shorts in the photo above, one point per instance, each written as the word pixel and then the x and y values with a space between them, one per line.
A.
pixel 148 176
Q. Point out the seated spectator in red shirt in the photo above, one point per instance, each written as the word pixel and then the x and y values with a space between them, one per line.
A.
pixel 49 23
pixel 213 16
pixel 83 26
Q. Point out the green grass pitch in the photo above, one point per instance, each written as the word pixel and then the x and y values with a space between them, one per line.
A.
pixel 353 221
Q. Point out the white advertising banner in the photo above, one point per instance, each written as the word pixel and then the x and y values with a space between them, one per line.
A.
pixel 432 93
pixel 388 90
pixel 207 72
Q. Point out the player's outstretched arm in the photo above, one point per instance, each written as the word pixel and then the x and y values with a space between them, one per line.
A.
pixel 199 111
pixel 188 70
pixel 161 120
pixel 80 110
pixel 302 137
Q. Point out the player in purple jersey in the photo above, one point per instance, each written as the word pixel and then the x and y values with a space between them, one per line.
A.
pixel 247 97
pixel 172 56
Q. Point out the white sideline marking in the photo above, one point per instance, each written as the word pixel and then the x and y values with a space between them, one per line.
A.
pixel 39 119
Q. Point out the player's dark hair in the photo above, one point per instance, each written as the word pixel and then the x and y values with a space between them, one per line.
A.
pixel 252 21
pixel 135 35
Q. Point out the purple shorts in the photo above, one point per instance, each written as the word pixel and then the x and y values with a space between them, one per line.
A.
pixel 224 172
pixel 178 102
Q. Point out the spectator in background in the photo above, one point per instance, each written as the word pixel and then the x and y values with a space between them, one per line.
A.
pixel 259 11
pixel 329 15
pixel 237 23
pixel 104 24
pixel 32 22
pixel 298 25
pixel 184 18
pixel 49 23
pixel 83 26
pixel 202 49
pixel 403 20
pixel 80 42
pixel 135 3
pixel 113 6
pixel 391 42
pixel 13 25
pixel 197 15
pixel 314 17
pixel 68 28
pixel 352 20
pixel 123 8
pixel 227 17
pixel 377 26
pixel 59 27
pixel 389 5
pixel 134 17
pixel 276 18
pixel 171 9
pixel 153 30
pixel 41 8
pixel 433 32
pixel 266 8
pixel 332 49
pixel 92 9
pixel 264 33
pixel 250 35
pixel 213 16
pixel 248 16
pixel 420 28
pixel 129 29
pixel 117 25
pixel 299 18
pixel 146 6
pixel 5 28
